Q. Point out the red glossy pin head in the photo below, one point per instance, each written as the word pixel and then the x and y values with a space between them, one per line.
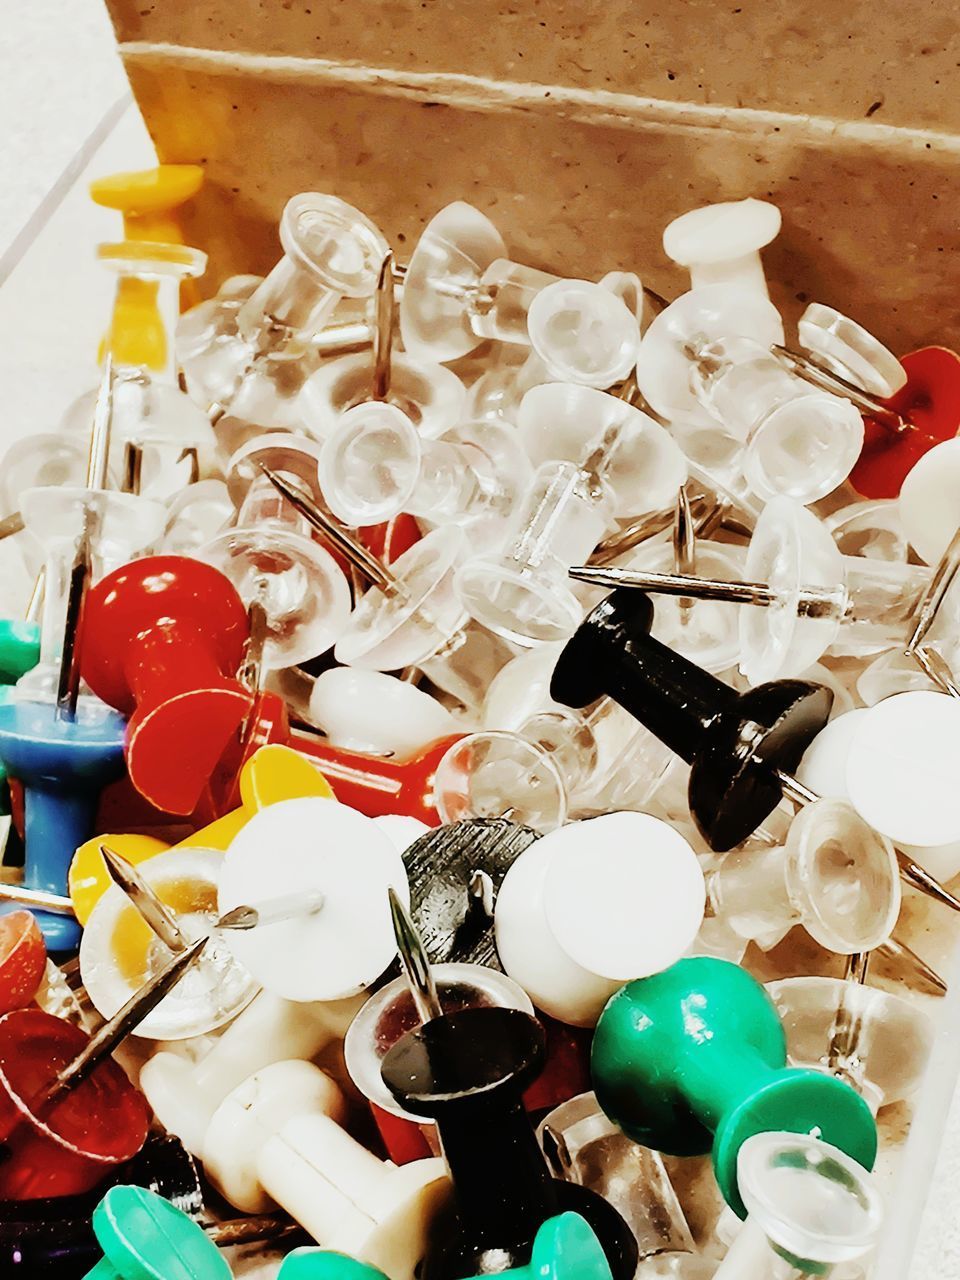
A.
pixel 162 639
pixel 930 402
pixel 93 1128
pixel 23 958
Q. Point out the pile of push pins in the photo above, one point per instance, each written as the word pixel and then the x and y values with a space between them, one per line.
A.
pixel 475 745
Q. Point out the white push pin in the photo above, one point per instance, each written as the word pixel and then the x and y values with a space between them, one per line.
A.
pixel 594 904
pixel 377 713
pixel 930 501
pixel 184 1094
pixel 721 243
pixel 277 1139
pixel 310 846
pixel 902 769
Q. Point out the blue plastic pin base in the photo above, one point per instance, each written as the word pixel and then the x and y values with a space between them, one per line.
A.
pixel 63 765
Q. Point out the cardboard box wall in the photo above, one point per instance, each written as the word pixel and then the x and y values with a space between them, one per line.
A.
pixel 581 128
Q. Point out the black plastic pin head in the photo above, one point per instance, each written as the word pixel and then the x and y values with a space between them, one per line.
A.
pixel 468 1070
pixel 451 870
pixel 734 742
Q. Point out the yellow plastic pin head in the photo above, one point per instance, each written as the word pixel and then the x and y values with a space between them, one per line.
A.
pixel 88 878
pixel 147 199
pixel 276 773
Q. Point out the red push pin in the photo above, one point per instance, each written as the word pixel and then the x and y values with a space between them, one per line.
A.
pixel 928 409
pixel 161 639
pixel 23 959
pixel 68 1113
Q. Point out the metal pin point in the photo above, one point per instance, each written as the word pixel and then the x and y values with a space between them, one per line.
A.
pixel 818 375
pixel 117 1028
pixel 68 683
pixel 250 674
pixel 940 583
pixel 684 547
pixel 272 911
pixel 355 552
pixel 847 1024
pixel 384 310
pixel 10 525
pixel 36 899
pixel 811 602
pixel 413 957
pixel 143 897
pixel 898 952
pixel 933 664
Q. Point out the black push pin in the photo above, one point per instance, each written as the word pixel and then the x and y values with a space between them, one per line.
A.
pixel 467 1071
pixel 742 747
pixel 455 872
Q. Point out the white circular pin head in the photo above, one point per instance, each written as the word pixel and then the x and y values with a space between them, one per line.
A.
pixel 721 243
pixel 823 766
pixel 375 712
pixel 314 849
pixel 903 766
pixel 930 501
pixel 624 894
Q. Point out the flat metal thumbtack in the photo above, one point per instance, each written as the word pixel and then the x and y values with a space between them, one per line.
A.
pixel 413 957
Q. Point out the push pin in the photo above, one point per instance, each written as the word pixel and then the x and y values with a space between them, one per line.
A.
pixel 68 1114
pixel 721 243
pixel 429 395
pixel 238 355
pixel 582 1145
pixel 334 857
pixel 23 960
pixel 142 1234
pixel 411 616
pixel 810 1209
pixel 161 640
pixel 373 712
pixel 738 744
pixel 590 904
pixel 522 594
pixel 917 418
pixel 687 1086
pixel 375 464
pixel 277 1138
pixel 504 1191
pixel 565 1248
pixel 806 596
pixel 878 1042
pixel 156 911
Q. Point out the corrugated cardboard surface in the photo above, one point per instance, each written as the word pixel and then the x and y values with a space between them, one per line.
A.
pixel 575 136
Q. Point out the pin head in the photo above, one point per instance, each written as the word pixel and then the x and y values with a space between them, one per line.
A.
pixel 322 1264
pixel 143 1235
pixel 23 958
pixel 462 1057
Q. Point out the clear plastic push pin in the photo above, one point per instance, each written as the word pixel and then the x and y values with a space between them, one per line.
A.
pixel 376 465
pixel 811 1210
pixel 250 356
pixel 431 396
pixel 801 596
pixel 877 1041
pixel 296 592
pixel 834 876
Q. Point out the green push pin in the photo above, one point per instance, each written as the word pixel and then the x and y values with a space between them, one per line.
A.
pixel 19 649
pixel 144 1237
pixel 565 1248
pixel 694 1058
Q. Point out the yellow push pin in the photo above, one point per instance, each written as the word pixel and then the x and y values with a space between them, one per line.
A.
pixel 272 774
pixel 153 248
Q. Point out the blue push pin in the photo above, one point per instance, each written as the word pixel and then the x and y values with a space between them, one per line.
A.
pixel 61 753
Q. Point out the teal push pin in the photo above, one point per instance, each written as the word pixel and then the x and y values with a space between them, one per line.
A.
pixel 693 1059
pixel 144 1237
pixel 565 1248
